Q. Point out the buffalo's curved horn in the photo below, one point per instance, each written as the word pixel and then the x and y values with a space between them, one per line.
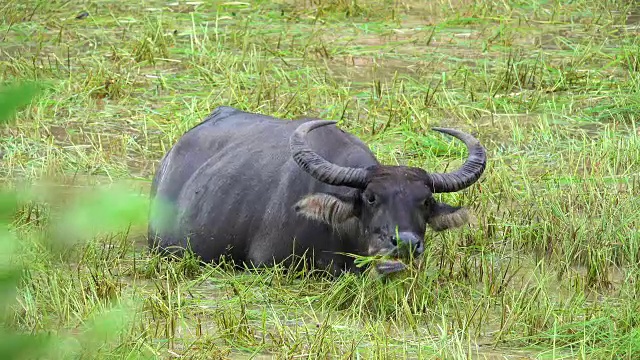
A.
pixel 317 166
pixel 468 173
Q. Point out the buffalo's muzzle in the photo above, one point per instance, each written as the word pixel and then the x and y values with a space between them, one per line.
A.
pixel 409 244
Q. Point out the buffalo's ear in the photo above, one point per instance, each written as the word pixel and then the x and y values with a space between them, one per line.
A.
pixel 330 209
pixel 444 216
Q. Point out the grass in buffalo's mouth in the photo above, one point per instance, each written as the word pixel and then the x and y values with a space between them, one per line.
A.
pixel 549 268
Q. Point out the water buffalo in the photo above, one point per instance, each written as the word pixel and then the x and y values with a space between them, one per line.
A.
pixel 257 189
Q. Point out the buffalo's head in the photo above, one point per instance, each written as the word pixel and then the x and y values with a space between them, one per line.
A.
pixel 390 206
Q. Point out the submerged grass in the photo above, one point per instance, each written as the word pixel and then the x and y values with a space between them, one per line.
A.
pixel 549 269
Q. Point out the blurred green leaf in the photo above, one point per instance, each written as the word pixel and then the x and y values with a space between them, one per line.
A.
pixel 19 346
pixel 107 325
pixel 8 205
pixel 8 282
pixel 101 211
pixel 15 96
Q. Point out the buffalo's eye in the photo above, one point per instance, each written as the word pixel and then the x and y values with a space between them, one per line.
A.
pixel 371 198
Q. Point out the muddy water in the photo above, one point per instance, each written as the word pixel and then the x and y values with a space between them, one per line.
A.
pixel 633 17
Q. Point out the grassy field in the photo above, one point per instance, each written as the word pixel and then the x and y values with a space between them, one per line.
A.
pixel 549 269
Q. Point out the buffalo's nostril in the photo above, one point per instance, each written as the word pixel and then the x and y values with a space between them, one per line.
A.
pixel 411 240
pixel 419 249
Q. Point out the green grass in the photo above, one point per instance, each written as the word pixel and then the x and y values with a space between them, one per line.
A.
pixel 548 270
